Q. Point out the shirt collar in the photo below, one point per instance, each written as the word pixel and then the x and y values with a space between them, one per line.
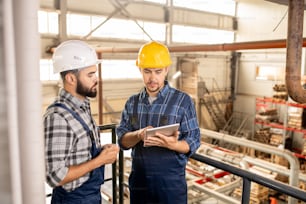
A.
pixel 74 101
pixel 162 93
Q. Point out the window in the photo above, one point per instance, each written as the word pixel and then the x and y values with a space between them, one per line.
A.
pixel 76 21
pixel 270 73
pixel 111 69
pixel 128 29
pixel 46 71
pixel 120 69
pixel 114 28
pixel 201 35
pixel 48 22
pixel 157 1
pixel 226 7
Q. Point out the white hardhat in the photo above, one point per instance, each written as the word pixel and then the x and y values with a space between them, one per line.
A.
pixel 73 54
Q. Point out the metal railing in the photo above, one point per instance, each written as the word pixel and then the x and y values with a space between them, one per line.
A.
pixel 249 177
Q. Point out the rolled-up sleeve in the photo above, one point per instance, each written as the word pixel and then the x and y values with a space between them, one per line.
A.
pixel 57 141
pixel 190 130
pixel 124 125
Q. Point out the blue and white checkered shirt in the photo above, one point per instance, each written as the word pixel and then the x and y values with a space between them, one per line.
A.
pixel 171 106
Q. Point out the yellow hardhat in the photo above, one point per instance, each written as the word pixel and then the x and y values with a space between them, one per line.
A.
pixel 153 55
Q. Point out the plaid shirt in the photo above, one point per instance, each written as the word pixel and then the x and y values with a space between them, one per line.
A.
pixel 66 141
pixel 181 111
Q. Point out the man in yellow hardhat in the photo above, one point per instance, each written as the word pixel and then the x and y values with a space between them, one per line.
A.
pixel 158 162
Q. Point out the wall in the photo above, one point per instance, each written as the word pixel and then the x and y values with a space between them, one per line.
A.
pixel 257 21
pixel 264 22
pixel 248 87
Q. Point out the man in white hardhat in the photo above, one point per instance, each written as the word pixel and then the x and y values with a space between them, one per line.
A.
pixel 74 156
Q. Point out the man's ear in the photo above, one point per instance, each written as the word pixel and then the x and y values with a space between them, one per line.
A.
pixel 70 78
pixel 167 69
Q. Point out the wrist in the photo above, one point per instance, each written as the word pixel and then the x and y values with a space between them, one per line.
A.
pixel 138 135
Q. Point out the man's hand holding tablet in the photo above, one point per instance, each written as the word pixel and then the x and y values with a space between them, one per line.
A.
pixel 160 136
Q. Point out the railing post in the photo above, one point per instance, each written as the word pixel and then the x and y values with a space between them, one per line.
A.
pixel 114 165
pixel 114 169
pixel 121 185
pixel 246 190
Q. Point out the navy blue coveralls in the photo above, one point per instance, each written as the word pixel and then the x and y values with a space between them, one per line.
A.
pixel 88 192
pixel 157 176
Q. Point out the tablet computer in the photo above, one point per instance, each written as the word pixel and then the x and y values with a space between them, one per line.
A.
pixel 167 130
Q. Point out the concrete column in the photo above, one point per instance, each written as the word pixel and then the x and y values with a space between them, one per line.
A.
pixel 27 52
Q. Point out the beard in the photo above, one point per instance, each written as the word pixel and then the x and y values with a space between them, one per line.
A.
pixel 153 87
pixel 155 90
pixel 85 91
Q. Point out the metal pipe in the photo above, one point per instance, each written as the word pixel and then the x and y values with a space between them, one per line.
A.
pixel 31 147
pixel 270 44
pixel 294 51
pixel 252 45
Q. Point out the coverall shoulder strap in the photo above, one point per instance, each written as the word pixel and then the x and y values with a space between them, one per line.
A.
pixel 135 111
pixel 135 106
pixel 171 101
pixel 75 115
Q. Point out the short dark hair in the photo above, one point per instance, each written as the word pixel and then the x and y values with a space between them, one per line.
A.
pixel 64 73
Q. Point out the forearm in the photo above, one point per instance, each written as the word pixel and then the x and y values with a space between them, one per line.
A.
pixel 180 146
pixel 77 171
pixel 130 139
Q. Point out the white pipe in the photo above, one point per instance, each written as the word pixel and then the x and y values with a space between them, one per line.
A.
pixel 294 163
pixel 12 119
pixel 272 167
pixel 219 192
pixel 29 100
pixel 245 161
pixel 221 155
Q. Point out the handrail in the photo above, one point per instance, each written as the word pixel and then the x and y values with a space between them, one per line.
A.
pixel 249 177
pixel 112 126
